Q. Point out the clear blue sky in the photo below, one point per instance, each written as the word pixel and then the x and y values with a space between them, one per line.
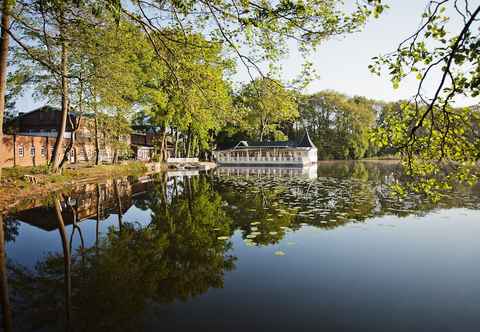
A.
pixel 342 63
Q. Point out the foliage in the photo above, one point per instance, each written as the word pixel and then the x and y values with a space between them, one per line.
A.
pixel 194 99
pixel 176 257
pixel 339 126
pixel 265 104
pixel 437 139
pixel 170 61
pixel 264 28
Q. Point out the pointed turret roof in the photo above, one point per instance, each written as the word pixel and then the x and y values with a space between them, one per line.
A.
pixel 306 141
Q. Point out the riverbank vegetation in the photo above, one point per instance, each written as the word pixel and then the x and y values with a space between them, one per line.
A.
pixel 16 183
pixel 170 62
pixel 169 69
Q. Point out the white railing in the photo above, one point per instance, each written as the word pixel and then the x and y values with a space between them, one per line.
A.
pixel 182 160
pixel 263 160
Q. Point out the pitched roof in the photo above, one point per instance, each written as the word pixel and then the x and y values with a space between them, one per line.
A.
pixel 48 108
pixel 265 144
pixel 305 142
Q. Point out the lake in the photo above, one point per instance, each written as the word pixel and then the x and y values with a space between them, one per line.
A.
pixel 244 249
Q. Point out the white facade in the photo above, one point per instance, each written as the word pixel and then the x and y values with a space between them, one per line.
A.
pixel 269 153
pixel 267 156
pixel 309 171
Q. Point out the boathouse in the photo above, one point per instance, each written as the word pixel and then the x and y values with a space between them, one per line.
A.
pixel 270 153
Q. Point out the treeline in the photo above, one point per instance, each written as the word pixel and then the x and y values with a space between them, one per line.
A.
pixel 170 62
pixel 94 65
pixel 341 126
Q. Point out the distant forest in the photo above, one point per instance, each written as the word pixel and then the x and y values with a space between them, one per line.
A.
pixel 340 126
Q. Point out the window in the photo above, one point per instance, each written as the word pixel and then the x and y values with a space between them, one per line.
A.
pixel 32 150
pixel 21 152
pixel 43 151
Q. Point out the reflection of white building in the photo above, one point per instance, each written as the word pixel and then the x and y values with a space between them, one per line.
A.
pixel 286 153
pixel 309 171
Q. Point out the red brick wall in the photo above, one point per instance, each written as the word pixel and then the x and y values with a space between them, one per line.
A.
pixel 10 150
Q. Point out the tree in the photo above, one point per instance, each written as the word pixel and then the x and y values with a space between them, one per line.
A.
pixel 193 99
pixel 103 69
pixel 434 137
pixel 263 27
pixel 112 58
pixel 4 41
pixel 266 104
pixel 339 125
pixel 45 34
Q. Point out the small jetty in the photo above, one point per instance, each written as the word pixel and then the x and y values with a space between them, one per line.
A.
pixel 188 164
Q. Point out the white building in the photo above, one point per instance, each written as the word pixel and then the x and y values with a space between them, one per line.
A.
pixel 269 153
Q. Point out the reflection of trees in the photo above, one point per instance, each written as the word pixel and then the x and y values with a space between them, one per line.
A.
pixel 191 222
pixel 343 193
pixel 178 255
pixel 10 228
pixel 257 202
pixel 109 286
pixel 6 311
pixel 43 298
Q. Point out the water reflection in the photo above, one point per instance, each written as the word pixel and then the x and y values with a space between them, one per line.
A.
pixel 175 256
pixel 127 250
pixel 309 171
pixel 264 206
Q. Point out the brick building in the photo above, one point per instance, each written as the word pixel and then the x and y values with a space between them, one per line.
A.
pixel 142 145
pixel 19 150
pixel 30 138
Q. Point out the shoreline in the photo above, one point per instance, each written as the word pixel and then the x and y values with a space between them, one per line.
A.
pixel 15 189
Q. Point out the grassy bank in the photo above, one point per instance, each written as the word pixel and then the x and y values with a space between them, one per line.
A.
pixel 385 157
pixel 15 186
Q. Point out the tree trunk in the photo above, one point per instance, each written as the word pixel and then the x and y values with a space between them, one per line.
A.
pixel 163 144
pixel 194 147
pixel 97 144
pixel 66 259
pixel 189 142
pixel 119 204
pixel 176 143
pixel 115 156
pixel 6 310
pixel 261 130
pixel 72 142
pixel 3 66
pixel 63 122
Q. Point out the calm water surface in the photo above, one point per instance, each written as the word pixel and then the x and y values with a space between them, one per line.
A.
pixel 325 249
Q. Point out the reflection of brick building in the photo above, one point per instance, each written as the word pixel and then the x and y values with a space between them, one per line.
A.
pixel 31 136
pixel 86 203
